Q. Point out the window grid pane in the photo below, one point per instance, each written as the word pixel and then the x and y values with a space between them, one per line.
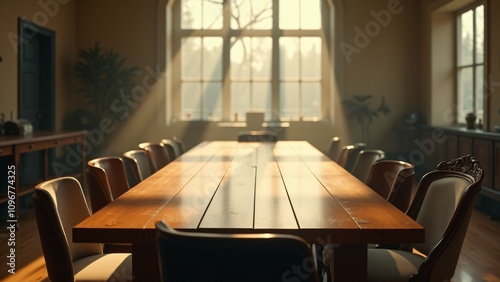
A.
pixel 212 101
pixel 191 58
pixel 470 70
pixel 480 92
pixel 466 38
pixel 298 77
pixel 479 34
pixel 309 11
pixel 251 14
pixel 289 100
pixel 465 93
pixel 311 101
pixel 200 14
pixel 212 58
pixel 240 99
pixel 191 101
pixel 300 15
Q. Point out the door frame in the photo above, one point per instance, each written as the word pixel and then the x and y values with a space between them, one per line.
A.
pixel 46 38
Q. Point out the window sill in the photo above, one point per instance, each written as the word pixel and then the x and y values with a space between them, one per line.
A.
pixel 264 124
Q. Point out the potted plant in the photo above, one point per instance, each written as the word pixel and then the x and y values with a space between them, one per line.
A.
pixel 360 108
pixel 470 118
pixel 103 78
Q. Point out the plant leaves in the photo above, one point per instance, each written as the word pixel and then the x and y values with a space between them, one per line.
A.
pixel 103 76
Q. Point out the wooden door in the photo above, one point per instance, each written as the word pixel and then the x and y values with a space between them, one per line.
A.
pixel 36 90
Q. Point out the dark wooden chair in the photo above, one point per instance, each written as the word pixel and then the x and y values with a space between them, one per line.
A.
pixel 138 166
pixel 189 256
pixel 180 144
pixel 334 149
pixel 443 204
pixel 59 205
pixel 110 172
pixel 348 154
pixel 157 153
pixel 393 180
pixel 107 180
pixel 364 161
pixel 173 147
pixel 257 136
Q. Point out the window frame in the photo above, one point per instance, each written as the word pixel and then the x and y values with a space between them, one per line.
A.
pixel 460 119
pixel 275 34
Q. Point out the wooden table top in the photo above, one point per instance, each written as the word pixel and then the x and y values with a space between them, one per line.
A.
pixel 229 187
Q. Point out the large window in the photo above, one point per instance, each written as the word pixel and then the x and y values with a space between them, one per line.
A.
pixel 231 57
pixel 470 63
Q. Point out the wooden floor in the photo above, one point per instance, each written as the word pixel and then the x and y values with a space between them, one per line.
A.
pixel 479 260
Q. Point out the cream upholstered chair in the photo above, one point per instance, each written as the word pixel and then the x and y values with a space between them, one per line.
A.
pixel 232 257
pixel 364 162
pixel 157 153
pixel 334 150
pixel 59 205
pixel 443 205
pixel 138 166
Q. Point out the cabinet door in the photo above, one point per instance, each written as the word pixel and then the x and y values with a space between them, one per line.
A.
pixel 451 147
pixel 496 166
pixel 465 146
pixel 483 152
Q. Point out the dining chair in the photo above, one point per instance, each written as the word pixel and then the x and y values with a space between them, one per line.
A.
pixel 189 256
pixel 391 179
pixel 443 205
pixel 257 136
pixel 107 180
pixel 158 154
pixel 99 194
pixel 174 149
pixel 387 175
pixel 353 155
pixel 109 172
pixel 402 190
pixel 333 151
pixel 59 205
pixel 137 164
pixel 180 144
pixel 348 154
pixel 364 162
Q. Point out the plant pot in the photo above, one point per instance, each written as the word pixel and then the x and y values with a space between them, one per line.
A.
pixel 470 118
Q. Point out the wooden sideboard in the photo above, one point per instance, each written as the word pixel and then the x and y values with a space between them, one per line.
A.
pixel 426 146
pixel 12 147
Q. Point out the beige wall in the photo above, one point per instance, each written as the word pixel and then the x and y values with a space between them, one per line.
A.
pixel 58 16
pixel 393 61
pixel 387 66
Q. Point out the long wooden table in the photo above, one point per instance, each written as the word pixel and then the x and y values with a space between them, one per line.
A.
pixel 229 187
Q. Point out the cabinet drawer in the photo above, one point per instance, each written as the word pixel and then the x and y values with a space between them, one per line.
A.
pixel 35 146
pixel 42 145
pixel 483 152
pixel 6 151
